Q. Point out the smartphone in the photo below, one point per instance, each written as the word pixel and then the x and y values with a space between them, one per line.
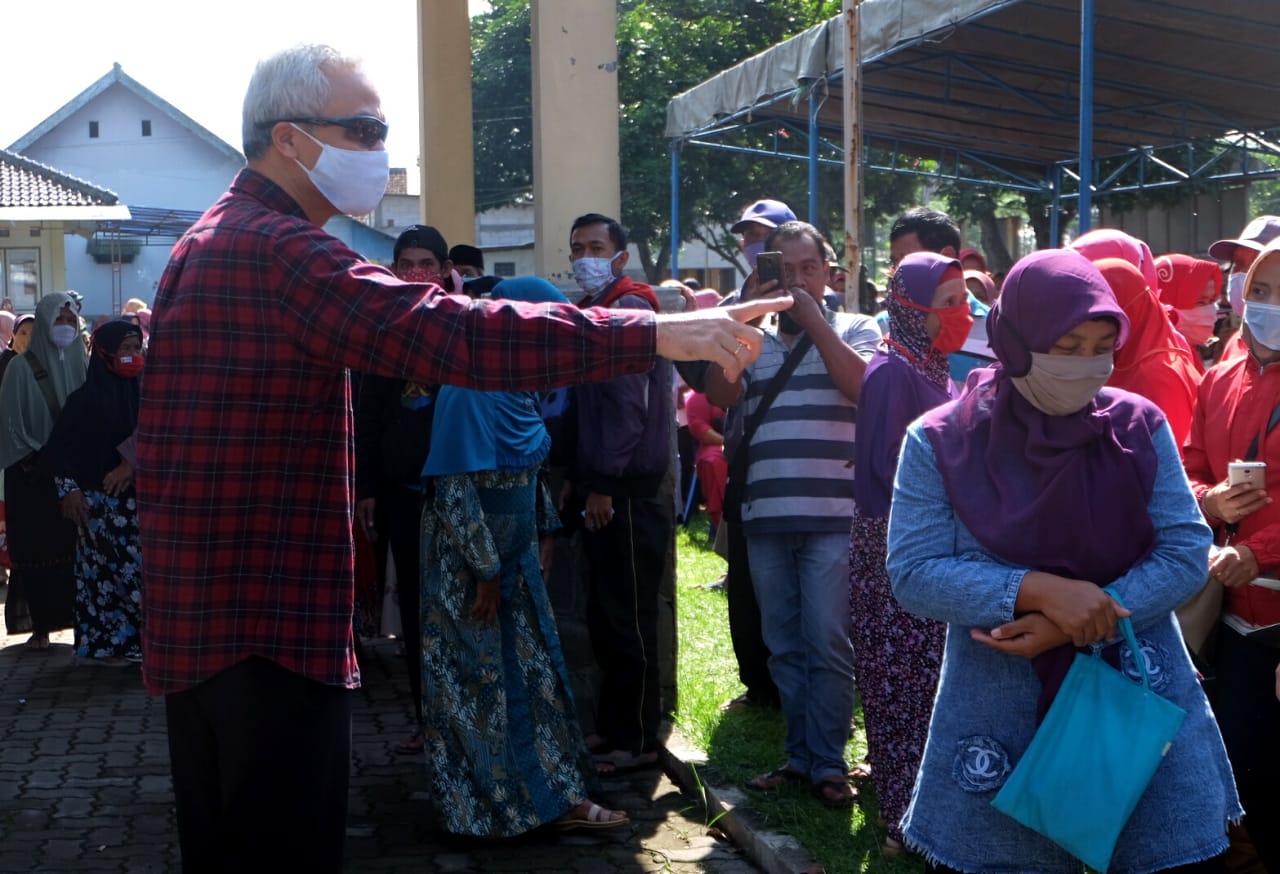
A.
pixel 1252 472
pixel 769 268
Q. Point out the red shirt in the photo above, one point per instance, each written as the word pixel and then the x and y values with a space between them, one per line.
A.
pixel 701 412
pixel 1234 402
pixel 245 462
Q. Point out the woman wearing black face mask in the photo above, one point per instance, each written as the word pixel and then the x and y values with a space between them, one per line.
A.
pixel 90 454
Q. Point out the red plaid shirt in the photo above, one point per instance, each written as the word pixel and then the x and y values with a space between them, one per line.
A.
pixel 244 437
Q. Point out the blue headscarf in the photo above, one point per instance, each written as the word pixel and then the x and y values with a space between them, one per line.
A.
pixel 479 430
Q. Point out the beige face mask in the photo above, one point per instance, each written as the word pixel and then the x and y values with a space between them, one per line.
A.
pixel 1059 385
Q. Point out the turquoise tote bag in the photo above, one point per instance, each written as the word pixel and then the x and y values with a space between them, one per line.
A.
pixel 1092 757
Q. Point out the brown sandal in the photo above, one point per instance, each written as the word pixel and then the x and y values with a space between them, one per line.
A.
pixel 835 793
pixel 776 779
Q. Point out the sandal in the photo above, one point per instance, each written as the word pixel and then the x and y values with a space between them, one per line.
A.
pixel 38 641
pixel 737 705
pixel 589 815
pixel 776 779
pixel 412 745
pixel 623 760
pixel 860 772
pixel 835 793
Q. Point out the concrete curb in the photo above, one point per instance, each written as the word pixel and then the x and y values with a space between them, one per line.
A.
pixel 728 807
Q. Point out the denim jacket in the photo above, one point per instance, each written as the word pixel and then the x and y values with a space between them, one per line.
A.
pixel 984 713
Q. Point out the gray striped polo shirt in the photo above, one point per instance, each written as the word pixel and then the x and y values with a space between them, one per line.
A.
pixel 801 473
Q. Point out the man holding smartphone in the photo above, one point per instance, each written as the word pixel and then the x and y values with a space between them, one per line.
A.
pixel 798 508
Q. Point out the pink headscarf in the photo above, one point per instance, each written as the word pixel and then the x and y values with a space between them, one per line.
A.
pixel 1113 243
pixel 6 327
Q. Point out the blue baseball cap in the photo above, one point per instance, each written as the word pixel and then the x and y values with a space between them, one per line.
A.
pixel 769 213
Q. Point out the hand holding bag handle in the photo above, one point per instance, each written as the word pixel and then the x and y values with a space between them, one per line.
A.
pixel 1093 757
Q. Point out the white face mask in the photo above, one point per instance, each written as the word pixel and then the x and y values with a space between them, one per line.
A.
pixel 1263 320
pixel 1235 292
pixel 593 275
pixel 1196 324
pixel 353 180
pixel 1059 385
pixel 62 336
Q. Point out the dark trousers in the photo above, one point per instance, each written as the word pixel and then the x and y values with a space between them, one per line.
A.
pixel 626 561
pixel 1249 717
pixel 260 759
pixel 404 525
pixel 42 549
pixel 744 623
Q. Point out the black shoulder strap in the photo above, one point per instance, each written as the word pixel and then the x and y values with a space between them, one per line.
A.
pixel 1252 454
pixel 775 386
pixel 45 384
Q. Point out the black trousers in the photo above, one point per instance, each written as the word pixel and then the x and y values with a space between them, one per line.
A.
pixel 42 548
pixel 261 758
pixel 1249 717
pixel 403 514
pixel 625 561
pixel 744 623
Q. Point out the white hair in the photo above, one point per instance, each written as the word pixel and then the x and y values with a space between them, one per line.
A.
pixel 289 84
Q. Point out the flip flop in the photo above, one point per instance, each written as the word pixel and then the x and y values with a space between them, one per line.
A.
pixel 412 745
pixel 835 793
pixel 860 772
pixel 776 779
pixel 597 818
pixel 622 760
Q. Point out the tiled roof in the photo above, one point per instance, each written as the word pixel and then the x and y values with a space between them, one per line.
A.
pixel 24 182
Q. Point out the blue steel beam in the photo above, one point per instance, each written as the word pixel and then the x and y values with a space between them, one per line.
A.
pixel 1083 217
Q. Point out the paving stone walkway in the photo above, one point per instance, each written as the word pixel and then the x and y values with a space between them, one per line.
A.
pixel 84 786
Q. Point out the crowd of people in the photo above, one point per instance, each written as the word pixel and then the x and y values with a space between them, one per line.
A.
pixel 937 533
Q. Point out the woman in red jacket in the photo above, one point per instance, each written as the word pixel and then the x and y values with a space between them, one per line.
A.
pixel 1153 363
pixel 1235 417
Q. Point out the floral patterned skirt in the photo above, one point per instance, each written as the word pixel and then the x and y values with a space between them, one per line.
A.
pixel 897 657
pixel 109 579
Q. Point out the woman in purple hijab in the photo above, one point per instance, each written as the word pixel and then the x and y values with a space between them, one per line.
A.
pixel 897 655
pixel 1017 510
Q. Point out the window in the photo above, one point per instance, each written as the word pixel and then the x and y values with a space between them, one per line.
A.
pixel 504 268
pixel 21 278
pixel 93 130
pixel 146 127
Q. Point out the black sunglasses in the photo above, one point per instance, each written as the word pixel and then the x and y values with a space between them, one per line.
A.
pixel 366 130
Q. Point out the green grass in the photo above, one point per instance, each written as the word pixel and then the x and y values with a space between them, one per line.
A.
pixel 742 745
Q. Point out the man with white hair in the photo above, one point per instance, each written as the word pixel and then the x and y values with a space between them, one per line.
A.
pixel 244 464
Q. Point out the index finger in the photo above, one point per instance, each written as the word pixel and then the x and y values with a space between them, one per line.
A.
pixel 745 312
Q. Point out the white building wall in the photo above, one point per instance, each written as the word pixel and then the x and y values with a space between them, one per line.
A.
pixel 172 168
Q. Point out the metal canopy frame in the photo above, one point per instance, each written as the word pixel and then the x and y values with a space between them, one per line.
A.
pixel 989 88
pixel 149 225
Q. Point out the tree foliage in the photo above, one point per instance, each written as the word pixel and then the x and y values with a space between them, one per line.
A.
pixel 664 47
pixel 668 46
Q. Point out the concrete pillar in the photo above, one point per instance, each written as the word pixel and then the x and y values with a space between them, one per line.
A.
pixel 575 123
pixel 444 71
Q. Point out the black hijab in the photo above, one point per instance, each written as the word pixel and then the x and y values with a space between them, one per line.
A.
pixel 98 416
